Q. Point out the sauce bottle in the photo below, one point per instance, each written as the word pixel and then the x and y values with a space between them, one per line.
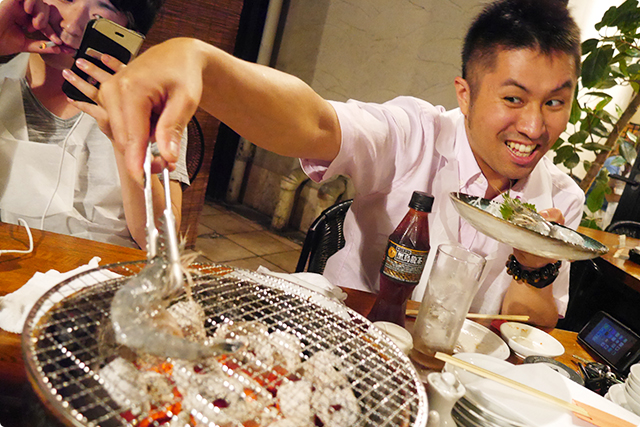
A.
pixel 404 261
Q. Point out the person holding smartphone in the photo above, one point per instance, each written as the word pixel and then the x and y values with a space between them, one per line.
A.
pixel 59 170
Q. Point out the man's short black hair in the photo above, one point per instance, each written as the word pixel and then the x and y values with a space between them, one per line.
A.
pixel 139 13
pixel 545 25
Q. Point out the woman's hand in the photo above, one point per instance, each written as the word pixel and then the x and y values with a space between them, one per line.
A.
pixel 153 99
pixel 99 75
pixel 19 19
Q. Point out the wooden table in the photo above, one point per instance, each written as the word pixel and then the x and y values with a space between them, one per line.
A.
pixel 51 251
pixel 363 301
pixel 625 271
pixel 64 253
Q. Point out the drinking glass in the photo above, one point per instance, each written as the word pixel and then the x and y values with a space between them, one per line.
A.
pixel 453 282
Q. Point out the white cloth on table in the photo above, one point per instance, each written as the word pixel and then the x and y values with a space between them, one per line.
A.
pixel 312 281
pixel 15 307
pixel 390 150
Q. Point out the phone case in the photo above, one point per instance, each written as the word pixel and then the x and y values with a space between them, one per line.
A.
pixel 103 36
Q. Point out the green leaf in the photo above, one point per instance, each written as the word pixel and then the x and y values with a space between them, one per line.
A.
pixel 602 104
pixel 579 137
pixel 572 161
pixel 634 69
pixel 557 144
pixel 618 161
pixel 592 146
pixel 606 83
pixel 628 151
pixel 563 153
pixel 589 223
pixel 595 66
pixel 632 136
pixel 595 199
pixel 589 45
pixel 608 19
pixel 599 94
pixel 576 112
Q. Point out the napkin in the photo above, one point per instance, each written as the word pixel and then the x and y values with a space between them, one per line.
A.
pixel 333 296
pixel 15 307
pixel 312 281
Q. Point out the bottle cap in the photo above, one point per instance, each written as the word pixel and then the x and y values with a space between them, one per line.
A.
pixel 421 201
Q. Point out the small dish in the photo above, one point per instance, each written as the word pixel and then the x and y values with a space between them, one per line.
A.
pixel 617 396
pixel 634 383
pixel 399 335
pixel 526 340
pixel 475 338
pixel 632 399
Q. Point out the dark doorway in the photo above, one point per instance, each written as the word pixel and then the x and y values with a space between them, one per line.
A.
pixel 252 21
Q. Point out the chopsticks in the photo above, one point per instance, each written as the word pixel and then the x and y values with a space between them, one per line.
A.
pixel 581 410
pixel 512 317
pixel 511 383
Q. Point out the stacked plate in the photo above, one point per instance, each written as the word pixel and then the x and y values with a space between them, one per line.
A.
pixel 627 395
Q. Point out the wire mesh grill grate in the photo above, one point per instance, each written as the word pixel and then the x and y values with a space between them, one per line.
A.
pixel 68 341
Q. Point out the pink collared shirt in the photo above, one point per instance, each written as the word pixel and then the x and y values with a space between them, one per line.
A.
pixel 390 150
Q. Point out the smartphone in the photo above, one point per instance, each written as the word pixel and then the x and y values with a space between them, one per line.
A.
pixel 614 342
pixel 103 36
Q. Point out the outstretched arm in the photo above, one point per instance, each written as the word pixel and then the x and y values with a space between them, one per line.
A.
pixel 272 109
pixel 132 193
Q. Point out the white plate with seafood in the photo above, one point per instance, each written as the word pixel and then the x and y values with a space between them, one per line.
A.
pixel 475 338
pixel 534 235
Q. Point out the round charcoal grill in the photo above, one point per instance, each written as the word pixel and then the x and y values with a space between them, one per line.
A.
pixel 68 341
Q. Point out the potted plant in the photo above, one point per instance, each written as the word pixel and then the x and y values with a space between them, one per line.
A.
pixel 612 59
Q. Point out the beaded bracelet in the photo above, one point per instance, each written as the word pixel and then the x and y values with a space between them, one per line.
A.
pixel 538 278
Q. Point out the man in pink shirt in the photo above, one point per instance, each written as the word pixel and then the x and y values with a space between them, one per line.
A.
pixel 521 60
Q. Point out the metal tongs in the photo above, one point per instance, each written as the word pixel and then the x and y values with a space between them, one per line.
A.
pixel 171 243
pixel 137 303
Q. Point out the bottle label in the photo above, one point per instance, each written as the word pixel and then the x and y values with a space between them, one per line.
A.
pixel 403 264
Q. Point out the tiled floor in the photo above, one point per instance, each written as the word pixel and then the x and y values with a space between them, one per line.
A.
pixel 239 237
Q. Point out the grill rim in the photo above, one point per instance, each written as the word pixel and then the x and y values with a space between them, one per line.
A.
pixel 64 415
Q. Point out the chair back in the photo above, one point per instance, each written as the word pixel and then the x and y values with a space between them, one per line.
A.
pixel 195 149
pixel 324 238
pixel 629 228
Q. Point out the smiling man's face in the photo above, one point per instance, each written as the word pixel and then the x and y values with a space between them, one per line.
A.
pixel 516 110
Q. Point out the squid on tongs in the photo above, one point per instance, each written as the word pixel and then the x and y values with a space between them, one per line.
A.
pixel 139 312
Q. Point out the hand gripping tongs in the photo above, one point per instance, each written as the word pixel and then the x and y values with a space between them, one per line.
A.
pixel 139 308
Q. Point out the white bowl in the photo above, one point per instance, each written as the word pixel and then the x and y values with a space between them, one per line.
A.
pixel 631 393
pixel 634 384
pixel 399 335
pixel 634 371
pixel 631 401
pixel 526 340
pixel 475 338
pixel 616 395
pixel 634 374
